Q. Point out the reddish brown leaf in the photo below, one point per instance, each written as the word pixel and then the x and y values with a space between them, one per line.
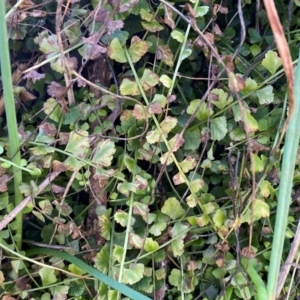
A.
pixel 56 90
pixel 112 26
pixel 26 4
pixel 127 5
pixel 101 15
pixel 3 180
pixel 248 252
pixel 220 262
pixel 94 51
pixel 49 129
pixel 63 138
pixel 219 8
pixel 155 108
pixel 168 19
pixel 25 95
pixel 64 104
pixel 59 166
pixel 37 13
pixel 217 30
pixel 72 63
pixel 171 98
pixel 34 76
pixel 235 83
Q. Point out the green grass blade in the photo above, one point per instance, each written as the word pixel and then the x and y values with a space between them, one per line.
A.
pixel 285 188
pixel 123 289
pixel 14 152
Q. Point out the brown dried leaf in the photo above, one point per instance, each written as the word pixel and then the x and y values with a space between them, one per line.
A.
pixel 219 8
pixel 171 98
pixel 126 5
pixel 57 189
pixel 34 76
pixel 75 230
pixel 16 76
pixel 165 54
pixel 101 15
pixel 64 104
pixel 63 138
pixel 140 112
pixel 6 297
pixel 94 51
pixel 217 30
pixel 155 108
pixel 1 105
pixel 112 26
pixel 3 180
pixel 192 265
pixel 49 129
pixel 58 166
pixel 168 19
pixel 235 83
pixel 37 13
pixel 256 146
pixel 135 240
pixel 178 179
pixel 220 262
pixel 72 63
pixel 191 11
pixel 176 142
pixel 248 252
pixel 56 90
pixel 139 212
pixel 26 96
pixel 92 39
pixel 26 4
pixel 63 229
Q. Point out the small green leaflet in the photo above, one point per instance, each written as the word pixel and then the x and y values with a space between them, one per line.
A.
pixel 177 35
pixel 149 22
pixel 223 99
pixel 102 259
pixel 186 53
pixel 3 200
pixel 203 112
pixel 52 109
pixel 137 49
pixel 166 81
pixel 104 153
pixel 192 139
pixel 272 61
pixel 172 208
pixel 168 124
pixel 150 245
pixel 218 128
pixel 219 218
pixel 134 274
pixel 189 163
pixel 261 210
pixel 265 95
pixel 201 11
pixel 121 217
pixel 47 275
pixel 129 87
pixel 250 122
pixel 149 79
pixel 78 143
pixel 49 45
pixel 126 187
pixel 165 54
pixel 116 51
